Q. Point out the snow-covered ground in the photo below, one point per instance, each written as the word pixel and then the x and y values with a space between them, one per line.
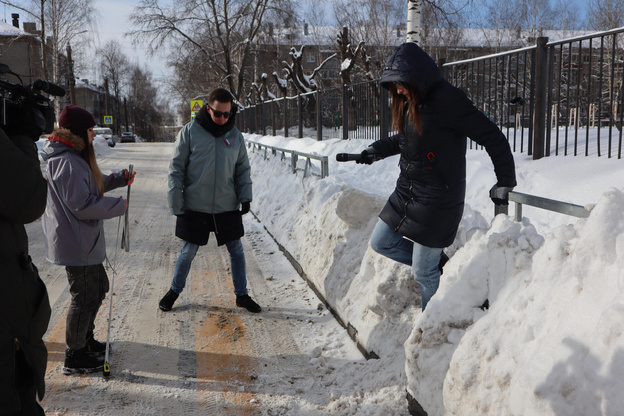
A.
pixel 551 343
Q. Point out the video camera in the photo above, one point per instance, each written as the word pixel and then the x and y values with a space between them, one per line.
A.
pixel 23 110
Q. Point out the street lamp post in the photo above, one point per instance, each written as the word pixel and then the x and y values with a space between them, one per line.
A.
pixel 72 79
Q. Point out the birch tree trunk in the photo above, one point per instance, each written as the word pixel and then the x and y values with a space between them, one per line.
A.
pixel 414 27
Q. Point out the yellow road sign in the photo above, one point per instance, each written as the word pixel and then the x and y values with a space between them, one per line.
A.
pixel 196 105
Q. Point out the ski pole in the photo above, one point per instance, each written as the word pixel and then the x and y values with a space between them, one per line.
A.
pixel 106 368
pixel 125 237
pixel 125 244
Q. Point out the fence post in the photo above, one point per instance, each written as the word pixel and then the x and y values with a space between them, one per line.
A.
pixel 300 106
pixel 541 86
pixel 262 118
pixel 345 113
pixel 255 118
pixel 383 112
pixel 319 117
pixel 273 116
pixel 285 116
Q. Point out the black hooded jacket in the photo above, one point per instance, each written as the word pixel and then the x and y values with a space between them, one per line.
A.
pixel 428 202
pixel 24 305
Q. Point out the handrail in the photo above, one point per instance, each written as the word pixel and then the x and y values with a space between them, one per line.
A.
pixel 543 203
pixel 294 158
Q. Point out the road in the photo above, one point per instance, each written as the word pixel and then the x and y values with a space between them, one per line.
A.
pixel 206 356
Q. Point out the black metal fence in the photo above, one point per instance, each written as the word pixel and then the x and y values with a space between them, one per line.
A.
pixel 322 114
pixel 563 97
pixel 560 97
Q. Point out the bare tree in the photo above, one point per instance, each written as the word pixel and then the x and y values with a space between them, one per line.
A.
pixel 373 22
pixel 215 35
pixel 535 16
pixel 348 55
pixel 605 14
pixel 114 66
pixel 146 113
pixel 62 21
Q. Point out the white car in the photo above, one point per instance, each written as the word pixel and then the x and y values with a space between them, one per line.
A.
pixel 106 133
pixel 127 137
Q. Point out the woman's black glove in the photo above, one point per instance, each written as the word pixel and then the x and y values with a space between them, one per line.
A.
pixel 500 194
pixel 367 156
pixel 245 206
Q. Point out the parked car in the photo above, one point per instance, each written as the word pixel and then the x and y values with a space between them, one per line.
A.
pixel 127 137
pixel 106 133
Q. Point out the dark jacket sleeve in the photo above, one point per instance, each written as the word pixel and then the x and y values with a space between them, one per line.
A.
pixel 23 190
pixel 468 121
pixel 389 146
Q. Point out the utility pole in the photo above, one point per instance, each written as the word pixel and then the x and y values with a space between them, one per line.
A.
pixel 72 79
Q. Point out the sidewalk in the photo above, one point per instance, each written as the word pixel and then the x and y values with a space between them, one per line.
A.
pixel 206 356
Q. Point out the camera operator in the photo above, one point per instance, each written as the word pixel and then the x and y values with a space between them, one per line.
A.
pixel 24 304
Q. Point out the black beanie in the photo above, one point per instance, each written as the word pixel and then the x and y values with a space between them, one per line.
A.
pixel 77 120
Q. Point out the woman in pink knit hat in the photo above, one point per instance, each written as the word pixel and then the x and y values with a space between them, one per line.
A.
pixel 74 232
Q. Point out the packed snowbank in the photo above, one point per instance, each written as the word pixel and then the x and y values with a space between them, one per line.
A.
pixel 549 344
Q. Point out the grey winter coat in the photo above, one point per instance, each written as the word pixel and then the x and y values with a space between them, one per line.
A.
pixel 73 220
pixel 428 202
pixel 24 304
pixel 208 174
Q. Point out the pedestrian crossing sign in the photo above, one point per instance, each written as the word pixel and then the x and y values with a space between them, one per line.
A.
pixel 196 105
pixel 108 119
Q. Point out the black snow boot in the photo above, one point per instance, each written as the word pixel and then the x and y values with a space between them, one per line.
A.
pixel 166 303
pixel 244 301
pixel 443 259
pixel 81 361
pixel 414 408
pixel 96 347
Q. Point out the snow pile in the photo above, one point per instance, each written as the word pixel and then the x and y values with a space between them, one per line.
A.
pixel 550 342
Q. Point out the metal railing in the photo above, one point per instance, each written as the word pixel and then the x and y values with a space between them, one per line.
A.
pixel 549 96
pixel 294 158
pixel 354 111
pixel 546 98
pixel 543 203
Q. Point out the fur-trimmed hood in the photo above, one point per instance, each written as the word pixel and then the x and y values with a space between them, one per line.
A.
pixel 62 140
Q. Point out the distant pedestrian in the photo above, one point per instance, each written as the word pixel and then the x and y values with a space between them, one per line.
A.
pixel 209 179
pixel 74 229
pixel 24 304
pixel 433 119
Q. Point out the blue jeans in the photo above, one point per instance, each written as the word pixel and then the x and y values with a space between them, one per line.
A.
pixel 237 265
pixel 424 260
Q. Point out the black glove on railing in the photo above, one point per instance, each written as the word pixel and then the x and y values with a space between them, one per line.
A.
pixel 500 194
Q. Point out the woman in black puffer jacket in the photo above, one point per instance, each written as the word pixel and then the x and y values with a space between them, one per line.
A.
pixel 433 118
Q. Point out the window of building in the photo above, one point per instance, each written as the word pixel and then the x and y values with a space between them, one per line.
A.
pixel 310 57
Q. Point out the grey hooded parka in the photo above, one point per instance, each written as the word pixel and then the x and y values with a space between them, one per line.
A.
pixel 73 220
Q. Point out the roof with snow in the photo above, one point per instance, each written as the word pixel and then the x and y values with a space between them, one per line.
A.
pixel 7 29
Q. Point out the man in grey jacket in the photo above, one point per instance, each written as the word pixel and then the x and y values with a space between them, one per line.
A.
pixel 209 178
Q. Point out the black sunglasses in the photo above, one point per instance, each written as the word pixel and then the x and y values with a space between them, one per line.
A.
pixel 218 114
